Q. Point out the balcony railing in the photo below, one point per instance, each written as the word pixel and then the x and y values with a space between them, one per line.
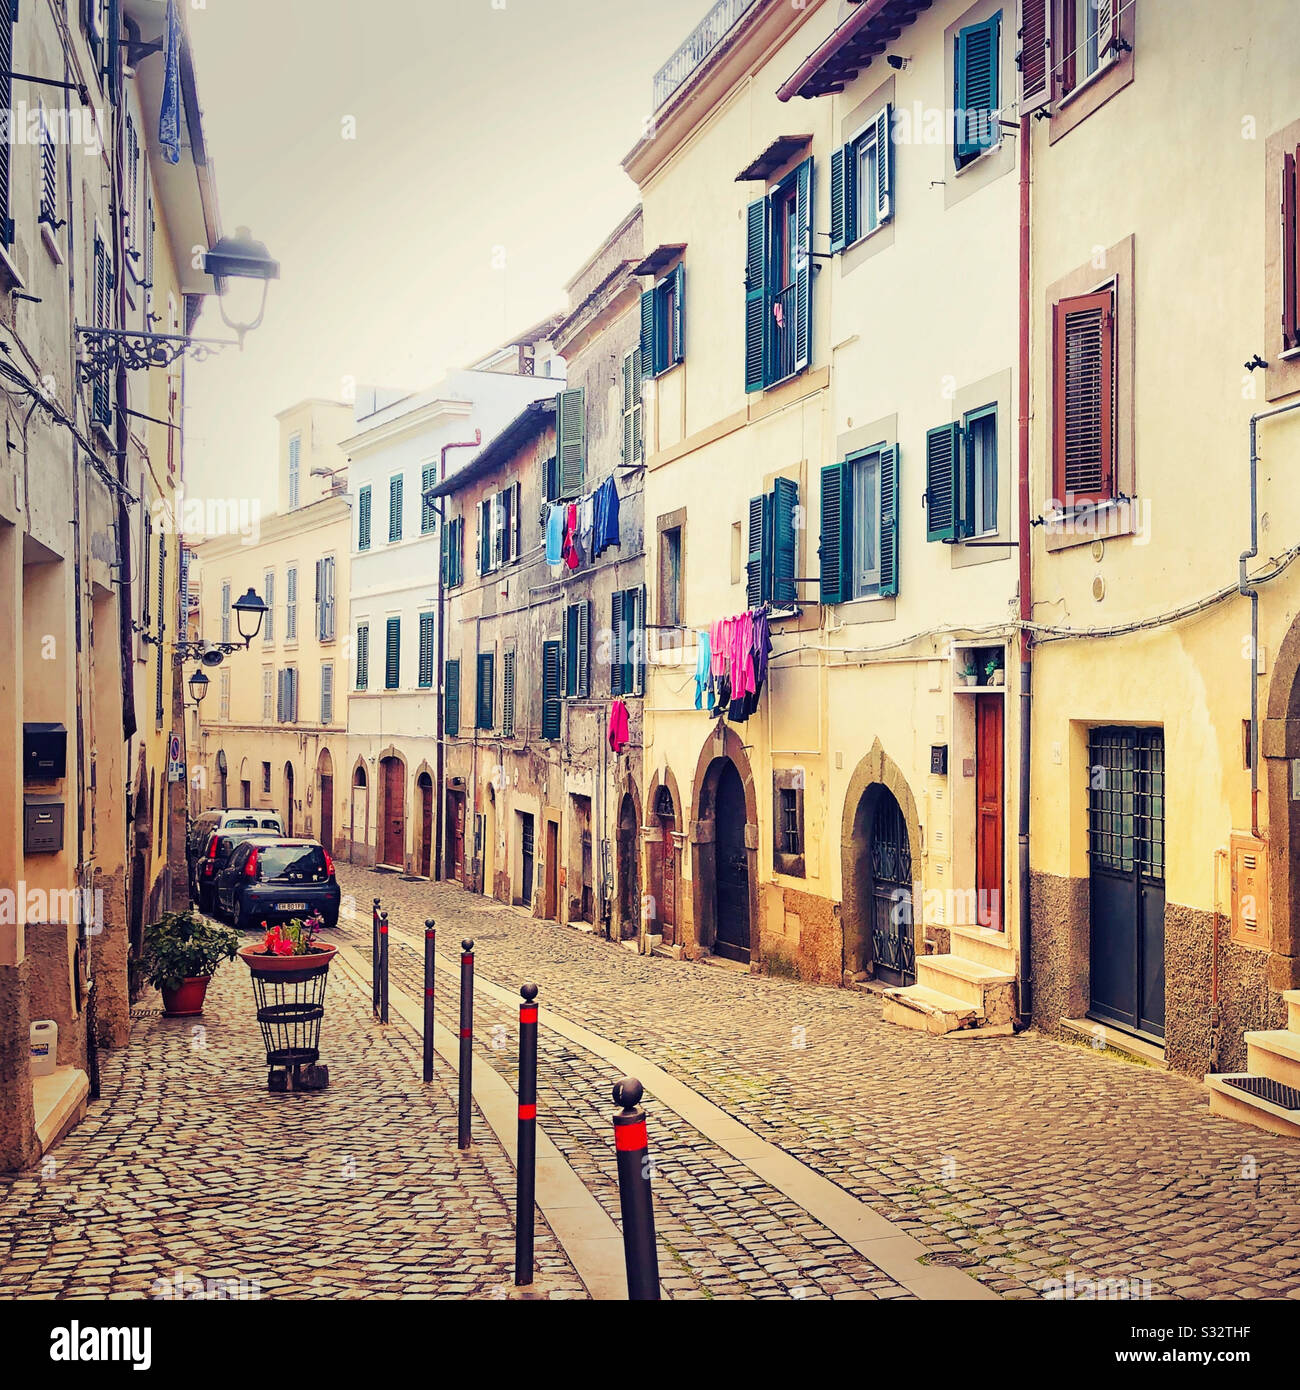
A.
pixel 781 334
pixel 703 39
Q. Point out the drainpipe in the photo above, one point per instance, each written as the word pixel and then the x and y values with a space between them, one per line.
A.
pixel 1244 587
pixel 1024 973
pixel 440 793
pixel 1216 1019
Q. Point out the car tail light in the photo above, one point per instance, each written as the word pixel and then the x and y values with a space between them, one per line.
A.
pixel 212 847
pixel 329 865
pixel 250 868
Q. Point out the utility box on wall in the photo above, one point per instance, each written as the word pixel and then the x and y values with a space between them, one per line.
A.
pixel 42 825
pixel 45 752
pixel 1250 922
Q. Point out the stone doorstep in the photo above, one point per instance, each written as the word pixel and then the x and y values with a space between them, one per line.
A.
pixel 963 979
pixel 922 1007
pixel 1236 1105
pixel 984 946
pixel 1117 1041
pixel 1275 1054
pixel 60 1101
pixel 1292 997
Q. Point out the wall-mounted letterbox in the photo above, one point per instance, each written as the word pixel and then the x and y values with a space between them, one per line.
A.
pixel 45 752
pixel 42 825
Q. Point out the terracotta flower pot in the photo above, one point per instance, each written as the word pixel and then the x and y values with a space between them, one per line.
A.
pixel 257 959
pixel 186 1001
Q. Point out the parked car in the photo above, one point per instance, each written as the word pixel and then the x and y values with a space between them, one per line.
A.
pixel 199 845
pixel 269 878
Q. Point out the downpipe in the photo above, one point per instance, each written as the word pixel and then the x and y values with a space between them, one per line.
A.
pixel 1024 960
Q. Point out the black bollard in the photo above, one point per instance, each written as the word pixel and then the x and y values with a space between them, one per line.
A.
pixel 635 1200
pixel 430 947
pixel 383 967
pixel 526 1150
pixel 374 958
pixel 466 1042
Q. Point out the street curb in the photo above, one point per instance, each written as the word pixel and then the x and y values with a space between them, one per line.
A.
pixel 588 1236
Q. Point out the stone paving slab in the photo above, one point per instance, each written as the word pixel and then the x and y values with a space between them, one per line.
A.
pixel 187 1168
pixel 1026 1161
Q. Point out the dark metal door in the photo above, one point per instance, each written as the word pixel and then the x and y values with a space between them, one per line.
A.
pixel 327 811
pixel 526 837
pixel 732 868
pixel 1126 850
pixel 893 947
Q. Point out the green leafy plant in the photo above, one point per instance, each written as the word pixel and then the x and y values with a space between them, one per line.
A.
pixel 182 945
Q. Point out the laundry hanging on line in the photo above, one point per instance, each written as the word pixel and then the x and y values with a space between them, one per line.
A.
pixel 577 532
pixel 732 661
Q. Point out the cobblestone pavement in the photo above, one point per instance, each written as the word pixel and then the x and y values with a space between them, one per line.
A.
pixel 1025 1161
pixel 188 1168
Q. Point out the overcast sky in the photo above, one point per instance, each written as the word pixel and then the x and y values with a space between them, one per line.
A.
pixel 480 124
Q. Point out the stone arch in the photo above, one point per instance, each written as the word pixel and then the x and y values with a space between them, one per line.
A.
pixel 391 819
pixel 325 798
pixel 626 907
pixel 662 841
pixel 1279 740
pixel 876 770
pixel 359 851
pixel 723 746
pixel 425 818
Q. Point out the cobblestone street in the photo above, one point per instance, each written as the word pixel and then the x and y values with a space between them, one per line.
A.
pixel 1024 1161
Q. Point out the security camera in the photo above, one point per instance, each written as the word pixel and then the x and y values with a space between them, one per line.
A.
pixel 897 62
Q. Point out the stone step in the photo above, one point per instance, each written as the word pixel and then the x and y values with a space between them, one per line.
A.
pixel 1249 1110
pixel 1275 1054
pixel 963 979
pixel 917 1006
pixel 1292 997
pixel 985 947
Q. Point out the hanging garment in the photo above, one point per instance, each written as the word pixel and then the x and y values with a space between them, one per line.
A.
pixel 717 637
pixel 571 555
pixel 555 536
pixel 587 526
pixel 606 516
pixel 618 732
pixel 741 658
pixel 703 664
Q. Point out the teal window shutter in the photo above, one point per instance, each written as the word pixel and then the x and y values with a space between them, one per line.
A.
pixel 839 223
pixel 508 694
pixel 571 440
pixel 363 518
pixel 758 569
pixel 551 680
pixel 451 697
pixel 884 189
pixel 976 73
pixel 648 367
pixel 635 639
pixel 486 690
pixel 834 550
pixel 942 465
pixel 571 650
pixel 458 553
pixel 618 657
pixel 889 520
pixel 803 266
pixel 426 650
pixel 785 501
pixel 679 315
pixel 427 513
pixel 583 645
pixel 395 508
pixel 393 654
pixel 756 295
pixel 363 655
pixel 446 553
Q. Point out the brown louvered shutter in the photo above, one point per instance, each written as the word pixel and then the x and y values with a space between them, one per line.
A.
pixel 1290 251
pixel 1084 398
pixel 1035 55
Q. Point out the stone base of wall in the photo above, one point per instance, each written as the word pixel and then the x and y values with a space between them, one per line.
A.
pixel 800 936
pixel 1060 967
pixel 18 1144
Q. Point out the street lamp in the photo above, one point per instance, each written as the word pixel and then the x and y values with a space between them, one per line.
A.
pixel 198 686
pixel 249 612
pixel 245 261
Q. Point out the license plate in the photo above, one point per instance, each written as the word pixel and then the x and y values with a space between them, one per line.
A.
pixel 291 907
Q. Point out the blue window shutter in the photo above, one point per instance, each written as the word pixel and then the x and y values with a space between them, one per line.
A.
pixel 884 190
pixel 835 548
pixel 889 520
pixel 451 697
pixel 803 266
pixel 785 499
pixel 551 679
pixel 679 315
pixel 976 70
pixel 756 295
pixel 363 518
pixel 758 569
pixel 648 333
pixel 942 462
pixel 839 225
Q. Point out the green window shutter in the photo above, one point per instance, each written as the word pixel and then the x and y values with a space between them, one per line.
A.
pixel 393 654
pixel 648 333
pixel 636 640
pixel 976 69
pixel 550 690
pixel 571 650
pixel 803 266
pixel 583 636
pixel 758 569
pixel 451 697
pixel 884 189
pixel 363 655
pixel 628 453
pixel 395 509
pixel 756 295
pixel 426 650
pixel 486 691
pixel 618 657
pixel 679 315
pixel 840 158
pixel 571 441
pixel 785 500
pixel 327 694
pixel 508 695
pixel 363 518
pixel 835 549
pixel 458 553
pixel 942 463
pixel 427 513
pixel 889 520
pixel 445 557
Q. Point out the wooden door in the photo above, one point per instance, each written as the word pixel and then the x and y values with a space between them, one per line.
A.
pixel 456 836
pixel 394 814
pixel 426 825
pixel 327 811
pixel 550 910
pixel 989 815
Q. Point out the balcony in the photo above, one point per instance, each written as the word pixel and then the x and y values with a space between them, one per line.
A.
pixel 702 40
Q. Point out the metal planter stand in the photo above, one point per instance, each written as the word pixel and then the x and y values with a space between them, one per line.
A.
pixel 290 1006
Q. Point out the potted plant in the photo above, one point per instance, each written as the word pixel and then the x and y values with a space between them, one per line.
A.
pixel 288 948
pixel 181 951
pixel 289 969
pixel 994 673
pixel 966 670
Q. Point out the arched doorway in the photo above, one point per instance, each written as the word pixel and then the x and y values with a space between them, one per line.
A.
pixel 724 849
pixel 629 871
pixel 489 841
pixel 141 857
pixel 662 863
pixel 731 938
pixel 360 815
pixel 392 826
pixel 288 799
pixel 325 798
pixel 425 784
pixel 879 934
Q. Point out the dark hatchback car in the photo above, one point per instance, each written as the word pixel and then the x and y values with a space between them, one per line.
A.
pixel 271 879
pixel 211 838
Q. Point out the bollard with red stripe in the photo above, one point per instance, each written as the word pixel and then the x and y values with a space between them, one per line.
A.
pixel 526 1152
pixel 635 1201
pixel 383 967
pixel 430 949
pixel 374 958
pixel 466 1042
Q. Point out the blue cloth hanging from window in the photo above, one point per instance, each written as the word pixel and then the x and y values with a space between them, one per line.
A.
pixel 169 114
pixel 703 667
pixel 555 536
pixel 605 532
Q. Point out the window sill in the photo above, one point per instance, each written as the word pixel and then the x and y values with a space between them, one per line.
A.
pixel 866 236
pixel 960 169
pixel 870 608
pixel 51 243
pixel 1093 521
pixel 1088 82
pixel 9 276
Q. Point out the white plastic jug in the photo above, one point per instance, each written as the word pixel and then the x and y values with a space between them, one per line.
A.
pixel 44 1046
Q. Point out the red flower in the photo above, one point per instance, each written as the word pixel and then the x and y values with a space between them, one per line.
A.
pixel 283 948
